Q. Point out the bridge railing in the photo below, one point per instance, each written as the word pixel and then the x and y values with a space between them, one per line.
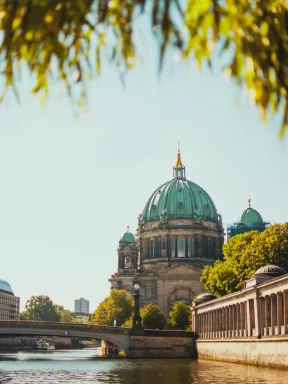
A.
pixel 64 326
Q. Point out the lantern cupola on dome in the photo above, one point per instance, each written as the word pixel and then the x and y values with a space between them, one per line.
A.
pixel 179 169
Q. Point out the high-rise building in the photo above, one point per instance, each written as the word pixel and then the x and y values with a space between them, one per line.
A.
pixel 9 303
pixel 179 232
pixel 82 305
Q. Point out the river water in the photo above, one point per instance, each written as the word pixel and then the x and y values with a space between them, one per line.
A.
pixel 86 366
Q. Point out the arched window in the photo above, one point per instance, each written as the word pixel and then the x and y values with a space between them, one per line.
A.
pixel 127 262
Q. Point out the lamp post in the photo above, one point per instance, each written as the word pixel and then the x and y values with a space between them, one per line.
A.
pixel 137 318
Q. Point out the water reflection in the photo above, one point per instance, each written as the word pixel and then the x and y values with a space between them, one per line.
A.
pixel 83 367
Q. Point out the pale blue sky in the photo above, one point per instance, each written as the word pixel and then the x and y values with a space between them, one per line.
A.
pixel 70 187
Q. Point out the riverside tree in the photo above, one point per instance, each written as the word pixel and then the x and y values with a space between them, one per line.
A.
pixel 151 318
pixel 67 40
pixel 117 306
pixel 41 308
pixel 180 316
pixel 243 255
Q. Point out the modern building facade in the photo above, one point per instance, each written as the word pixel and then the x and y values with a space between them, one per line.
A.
pixel 82 306
pixel 9 303
pixel 179 232
pixel 251 220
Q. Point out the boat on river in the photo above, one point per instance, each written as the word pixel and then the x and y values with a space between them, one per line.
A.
pixel 43 345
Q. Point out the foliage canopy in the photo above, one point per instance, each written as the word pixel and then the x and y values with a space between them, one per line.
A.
pixel 243 255
pixel 67 40
pixel 151 317
pixel 41 308
pixel 117 306
pixel 180 316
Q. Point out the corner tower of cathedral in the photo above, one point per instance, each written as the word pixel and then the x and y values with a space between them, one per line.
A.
pixel 179 232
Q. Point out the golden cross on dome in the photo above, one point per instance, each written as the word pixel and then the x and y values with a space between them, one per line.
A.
pixel 249 201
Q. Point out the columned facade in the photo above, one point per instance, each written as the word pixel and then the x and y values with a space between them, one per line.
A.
pixel 259 311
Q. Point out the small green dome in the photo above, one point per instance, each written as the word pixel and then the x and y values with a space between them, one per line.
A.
pixel 128 237
pixel 179 199
pixel 251 216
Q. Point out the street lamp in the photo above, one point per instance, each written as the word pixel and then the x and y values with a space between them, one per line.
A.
pixel 137 318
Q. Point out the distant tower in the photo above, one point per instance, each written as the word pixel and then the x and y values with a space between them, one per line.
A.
pixel 251 220
pixel 82 305
pixel 127 253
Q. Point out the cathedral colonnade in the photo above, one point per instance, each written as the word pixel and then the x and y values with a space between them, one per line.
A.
pixel 258 311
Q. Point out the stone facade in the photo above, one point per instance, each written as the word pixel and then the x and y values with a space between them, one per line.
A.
pixel 246 326
pixel 178 233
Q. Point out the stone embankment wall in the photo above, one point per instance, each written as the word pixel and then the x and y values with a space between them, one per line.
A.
pixel 269 352
pixel 149 346
pixel 155 343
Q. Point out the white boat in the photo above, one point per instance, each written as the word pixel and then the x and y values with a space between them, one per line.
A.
pixel 43 345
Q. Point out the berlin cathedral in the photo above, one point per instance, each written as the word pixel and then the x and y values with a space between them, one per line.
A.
pixel 178 233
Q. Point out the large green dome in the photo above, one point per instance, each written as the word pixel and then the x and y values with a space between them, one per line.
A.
pixel 179 199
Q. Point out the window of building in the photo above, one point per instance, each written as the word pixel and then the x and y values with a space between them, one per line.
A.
pixel 163 244
pixel 152 255
pixel 189 247
pixel 127 262
pixel 181 247
pixel 148 293
pixel 173 243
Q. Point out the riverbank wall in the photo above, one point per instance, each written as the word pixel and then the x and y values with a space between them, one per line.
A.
pixel 263 352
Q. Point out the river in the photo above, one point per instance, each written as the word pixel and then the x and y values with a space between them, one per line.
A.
pixel 86 366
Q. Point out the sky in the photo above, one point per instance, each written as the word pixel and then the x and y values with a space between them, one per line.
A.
pixel 70 186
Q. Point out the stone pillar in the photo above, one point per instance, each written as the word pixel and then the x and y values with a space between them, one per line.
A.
pixel 210 324
pixel 227 321
pixel 240 331
pixel 285 311
pixel 257 325
pixel 219 322
pixel 237 333
pixel 273 314
pixel 248 322
pixel 266 316
pixel 279 312
pixel 262 315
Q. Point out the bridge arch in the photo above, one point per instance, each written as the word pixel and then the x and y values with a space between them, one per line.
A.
pixel 116 335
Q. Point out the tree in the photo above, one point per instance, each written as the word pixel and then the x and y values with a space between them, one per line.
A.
pixel 40 308
pixel 243 255
pixel 180 316
pixel 67 317
pixel 63 39
pixel 151 317
pixel 117 306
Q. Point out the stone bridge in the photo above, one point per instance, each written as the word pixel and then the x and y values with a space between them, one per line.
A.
pixel 143 343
